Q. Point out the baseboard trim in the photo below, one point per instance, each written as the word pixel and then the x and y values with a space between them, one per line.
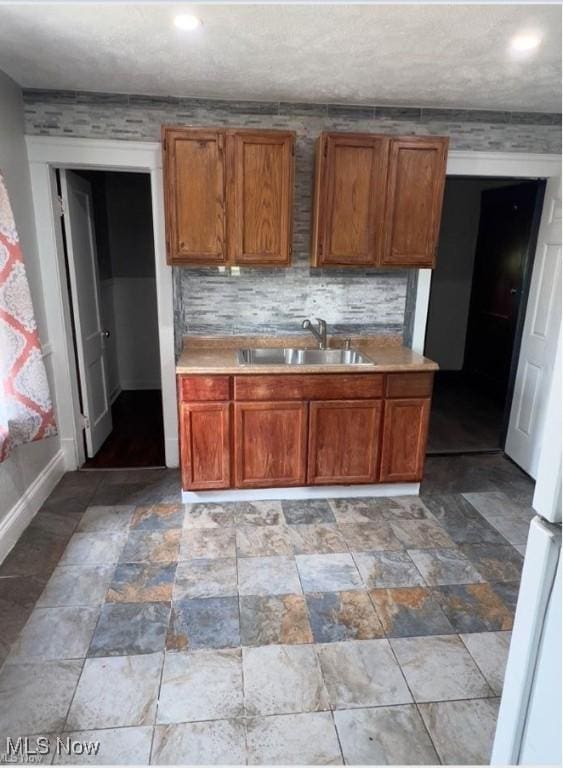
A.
pixel 29 503
pixel 68 447
pixel 171 452
pixel 303 492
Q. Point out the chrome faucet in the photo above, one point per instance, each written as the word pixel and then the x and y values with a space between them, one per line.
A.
pixel 320 334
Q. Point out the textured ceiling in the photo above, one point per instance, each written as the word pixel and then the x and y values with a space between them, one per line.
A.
pixel 411 55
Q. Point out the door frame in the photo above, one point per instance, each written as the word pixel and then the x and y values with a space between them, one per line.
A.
pixel 46 154
pixel 518 165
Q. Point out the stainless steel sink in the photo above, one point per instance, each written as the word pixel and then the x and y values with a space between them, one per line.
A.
pixel 288 356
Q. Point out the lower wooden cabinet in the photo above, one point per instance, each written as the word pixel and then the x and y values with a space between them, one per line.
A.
pixel 252 439
pixel 205 445
pixel 344 439
pixel 405 429
pixel 270 444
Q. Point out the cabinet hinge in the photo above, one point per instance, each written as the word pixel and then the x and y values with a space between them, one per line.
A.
pixel 84 421
pixel 61 205
pixel 290 250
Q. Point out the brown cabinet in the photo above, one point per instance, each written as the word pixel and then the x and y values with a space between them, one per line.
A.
pixel 303 429
pixel 270 444
pixel 378 200
pixel 205 445
pixel 344 439
pixel 415 188
pixel 350 200
pixel 228 196
pixel 194 196
pixel 260 196
pixel 405 430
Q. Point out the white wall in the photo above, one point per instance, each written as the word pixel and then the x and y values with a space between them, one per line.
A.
pixel 541 740
pixel 450 292
pixel 23 483
pixel 136 332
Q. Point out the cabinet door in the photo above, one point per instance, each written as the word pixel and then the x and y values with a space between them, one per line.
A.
pixel 344 441
pixel 405 430
pixel 415 188
pixel 260 197
pixel 205 445
pixel 349 200
pixel 270 444
pixel 194 195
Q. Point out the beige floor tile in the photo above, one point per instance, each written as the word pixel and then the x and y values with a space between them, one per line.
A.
pixel 462 731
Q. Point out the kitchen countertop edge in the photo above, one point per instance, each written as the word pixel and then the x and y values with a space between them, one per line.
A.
pixel 215 358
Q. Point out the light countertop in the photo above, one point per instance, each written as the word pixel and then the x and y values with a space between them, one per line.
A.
pixel 218 354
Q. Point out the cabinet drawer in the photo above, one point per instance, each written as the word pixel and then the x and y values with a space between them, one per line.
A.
pixel 409 384
pixel 340 386
pixel 194 388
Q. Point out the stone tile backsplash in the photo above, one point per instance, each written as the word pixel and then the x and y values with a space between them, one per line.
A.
pixel 276 300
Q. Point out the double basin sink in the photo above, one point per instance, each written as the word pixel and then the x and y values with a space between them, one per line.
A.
pixel 289 356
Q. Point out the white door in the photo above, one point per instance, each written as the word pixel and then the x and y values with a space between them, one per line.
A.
pixel 539 339
pixel 84 284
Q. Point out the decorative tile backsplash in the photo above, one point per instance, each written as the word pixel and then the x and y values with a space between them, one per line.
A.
pixel 276 300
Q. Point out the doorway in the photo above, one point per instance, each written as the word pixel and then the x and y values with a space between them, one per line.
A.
pixel 477 307
pixel 110 261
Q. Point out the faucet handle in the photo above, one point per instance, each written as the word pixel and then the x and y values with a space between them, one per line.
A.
pixel 347 342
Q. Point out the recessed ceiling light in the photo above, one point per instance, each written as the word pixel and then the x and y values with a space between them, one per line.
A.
pixel 525 42
pixel 187 21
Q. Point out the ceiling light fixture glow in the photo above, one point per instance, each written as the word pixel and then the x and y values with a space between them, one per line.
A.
pixel 187 22
pixel 525 42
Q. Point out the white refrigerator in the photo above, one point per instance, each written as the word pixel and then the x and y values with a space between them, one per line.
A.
pixel 530 717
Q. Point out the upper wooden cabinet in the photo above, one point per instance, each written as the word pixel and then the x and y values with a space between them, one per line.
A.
pixel 378 200
pixel 415 188
pixel 228 196
pixel 350 197
pixel 260 197
pixel 194 196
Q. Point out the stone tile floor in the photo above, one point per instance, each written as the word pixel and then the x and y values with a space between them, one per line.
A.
pixel 358 631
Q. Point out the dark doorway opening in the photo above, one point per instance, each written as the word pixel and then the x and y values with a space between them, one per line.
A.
pixel 137 437
pixel 477 305
pixel 123 288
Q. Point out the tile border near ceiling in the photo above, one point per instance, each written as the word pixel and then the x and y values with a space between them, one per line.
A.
pixel 410 114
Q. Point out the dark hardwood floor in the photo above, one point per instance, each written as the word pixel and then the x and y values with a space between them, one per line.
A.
pixel 137 438
pixel 464 418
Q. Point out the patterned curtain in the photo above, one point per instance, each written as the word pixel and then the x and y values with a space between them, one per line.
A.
pixel 26 411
